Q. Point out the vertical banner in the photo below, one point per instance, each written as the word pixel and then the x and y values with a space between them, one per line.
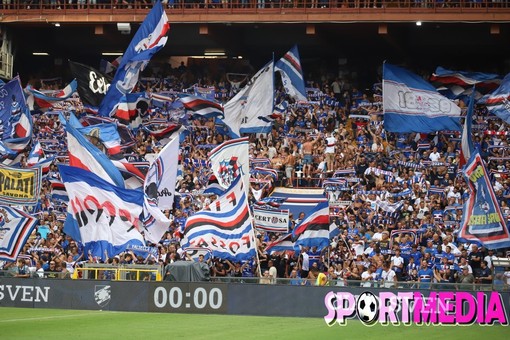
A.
pixel 482 220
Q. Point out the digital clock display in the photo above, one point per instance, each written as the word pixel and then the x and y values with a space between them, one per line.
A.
pixel 188 297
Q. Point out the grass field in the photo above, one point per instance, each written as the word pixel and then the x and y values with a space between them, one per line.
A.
pixel 26 323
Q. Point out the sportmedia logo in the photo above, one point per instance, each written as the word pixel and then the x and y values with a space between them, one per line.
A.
pixel 438 308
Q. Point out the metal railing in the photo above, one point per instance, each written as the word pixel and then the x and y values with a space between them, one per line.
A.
pixel 30 7
pixel 154 273
pixel 97 271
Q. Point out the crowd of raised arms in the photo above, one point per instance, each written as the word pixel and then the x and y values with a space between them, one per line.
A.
pixel 338 132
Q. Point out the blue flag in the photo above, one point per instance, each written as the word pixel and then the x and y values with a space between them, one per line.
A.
pixel 289 67
pixel 149 39
pixel 467 139
pixel 412 105
pixel 12 107
pixel 498 102
pixel 482 220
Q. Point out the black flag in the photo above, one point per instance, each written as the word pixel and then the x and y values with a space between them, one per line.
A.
pixel 92 84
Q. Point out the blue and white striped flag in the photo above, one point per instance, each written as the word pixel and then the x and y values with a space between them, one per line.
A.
pixel 226 229
pixel 149 39
pixel 15 228
pixel 289 67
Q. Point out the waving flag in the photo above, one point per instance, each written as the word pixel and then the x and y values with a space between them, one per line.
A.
pixel 462 78
pixel 283 243
pixel 313 230
pixel 412 105
pixel 160 179
pixel 107 67
pixel 6 154
pixel 58 191
pixel 15 229
pixel 289 67
pixel 201 107
pixel 230 160
pixel 226 229
pixel 159 189
pixel 149 39
pixel 130 106
pixel 35 155
pixel 104 216
pixel 255 100
pixel 46 100
pixel 466 147
pixel 498 102
pixel 84 155
pixel 13 107
pixel 107 134
pixel 92 84
pixel 482 220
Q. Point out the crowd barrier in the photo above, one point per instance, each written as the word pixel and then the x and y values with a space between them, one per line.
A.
pixel 119 273
pixel 231 298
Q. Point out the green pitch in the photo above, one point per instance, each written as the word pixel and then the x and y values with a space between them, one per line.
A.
pixel 21 323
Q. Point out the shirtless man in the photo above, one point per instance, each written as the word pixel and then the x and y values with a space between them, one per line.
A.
pixel 289 162
pixel 307 151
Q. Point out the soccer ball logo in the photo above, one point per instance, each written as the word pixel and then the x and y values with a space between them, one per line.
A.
pixel 367 308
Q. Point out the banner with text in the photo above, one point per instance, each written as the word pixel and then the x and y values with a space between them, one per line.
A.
pixel 19 186
pixel 271 220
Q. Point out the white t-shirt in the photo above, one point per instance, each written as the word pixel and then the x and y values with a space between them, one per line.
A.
pixel 273 274
pixel 358 247
pixel 397 260
pixel 330 144
pixel 367 276
pixel 306 262
pixel 434 156
pixel 389 278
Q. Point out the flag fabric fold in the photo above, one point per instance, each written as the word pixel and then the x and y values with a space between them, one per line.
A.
pixel 201 107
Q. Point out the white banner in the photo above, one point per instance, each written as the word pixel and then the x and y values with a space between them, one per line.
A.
pixel 271 220
pixel 400 99
pixel 255 100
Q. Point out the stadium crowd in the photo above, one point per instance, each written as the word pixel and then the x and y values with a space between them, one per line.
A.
pixel 337 136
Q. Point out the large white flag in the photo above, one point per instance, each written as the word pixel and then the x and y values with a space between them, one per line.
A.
pixel 230 160
pixel 102 216
pixel 159 188
pixel 160 179
pixel 250 108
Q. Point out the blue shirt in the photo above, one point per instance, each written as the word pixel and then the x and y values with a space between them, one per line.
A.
pixel 425 275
